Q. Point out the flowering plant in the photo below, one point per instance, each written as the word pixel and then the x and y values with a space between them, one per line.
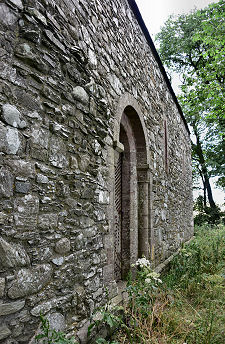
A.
pixel 153 276
pixel 143 263
pixel 146 273
pixel 143 290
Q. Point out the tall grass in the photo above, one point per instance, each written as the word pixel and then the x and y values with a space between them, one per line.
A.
pixel 188 307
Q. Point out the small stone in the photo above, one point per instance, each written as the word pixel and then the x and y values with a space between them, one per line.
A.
pixel 12 141
pixel 48 93
pixel 17 330
pixel 57 156
pixel 3 218
pixel 3 132
pixel 2 286
pixel 25 211
pixel 80 94
pixel 46 221
pixel 17 3
pixel 40 136
pixel 46 200
pixel 92 58
pixel 82 333
pixel 45 254
pixel 54 40
pixel 4 332
pixel 56 321
pixel 12 116
pixel 84 161
pixel 22 187
pixel 62 246
pixel 42 179
pixel 34 115
pixel 12 256
pixel 26 48
pixel 86 222
pixel 9 308
pixel 7 16
pixel 22 168
pixel 58 261
pixel 6 183
pixel 73 162
pixel 48 305
pixel 38 15
pixel 30 281
pixel 56 127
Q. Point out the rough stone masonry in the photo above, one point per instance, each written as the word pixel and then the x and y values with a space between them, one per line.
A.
pixel 95 163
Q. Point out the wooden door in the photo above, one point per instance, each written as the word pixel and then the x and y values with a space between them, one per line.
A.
pixel 118 220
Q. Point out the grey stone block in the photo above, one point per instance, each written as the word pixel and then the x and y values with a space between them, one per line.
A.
pixel 2 286
pixel 30 281
pixel 6 183
pixel 62 246
pixel 9 308
pixel 4 332
pixel 12 256
pixel 22 187
pixel 12 116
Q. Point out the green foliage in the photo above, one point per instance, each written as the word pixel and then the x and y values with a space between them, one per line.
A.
pixel 188 306
pixel 196 279
pixel 50 336
pixel 194 46
pixel 206 214
pixel 106 318
pixel 199 258
pixel 142 291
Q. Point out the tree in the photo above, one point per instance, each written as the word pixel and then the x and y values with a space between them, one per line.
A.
pixel 194 46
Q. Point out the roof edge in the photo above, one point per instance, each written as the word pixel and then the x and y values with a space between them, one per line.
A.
pixel 145 31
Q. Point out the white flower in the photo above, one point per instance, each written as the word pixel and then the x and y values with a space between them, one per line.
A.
pixel 148 280
pixel 143 263
pixel 155 276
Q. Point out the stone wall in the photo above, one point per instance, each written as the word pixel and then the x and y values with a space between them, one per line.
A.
pixel 67 70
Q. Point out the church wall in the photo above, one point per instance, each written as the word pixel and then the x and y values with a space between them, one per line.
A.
pixel 64 67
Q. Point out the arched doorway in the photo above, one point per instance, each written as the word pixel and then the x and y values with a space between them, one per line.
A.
pixel 131 194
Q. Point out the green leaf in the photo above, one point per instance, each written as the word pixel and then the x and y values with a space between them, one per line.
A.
pixel 101 341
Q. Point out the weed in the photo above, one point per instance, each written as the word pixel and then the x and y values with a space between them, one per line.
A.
pixel 188 306
pixel 50 336
pixel 106 318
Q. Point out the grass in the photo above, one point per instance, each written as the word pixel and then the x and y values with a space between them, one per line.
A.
pixel 188 307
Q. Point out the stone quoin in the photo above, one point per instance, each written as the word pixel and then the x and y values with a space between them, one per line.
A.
pixel 95 160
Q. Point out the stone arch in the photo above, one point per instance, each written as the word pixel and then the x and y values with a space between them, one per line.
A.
pixel 131 188
pixel 128 101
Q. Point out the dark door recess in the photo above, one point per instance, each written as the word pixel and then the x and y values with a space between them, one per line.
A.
pixel 118 219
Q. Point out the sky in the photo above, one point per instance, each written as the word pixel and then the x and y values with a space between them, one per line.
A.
pixel 155 13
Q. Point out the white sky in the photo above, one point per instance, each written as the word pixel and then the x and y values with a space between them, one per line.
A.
pixel 155 13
